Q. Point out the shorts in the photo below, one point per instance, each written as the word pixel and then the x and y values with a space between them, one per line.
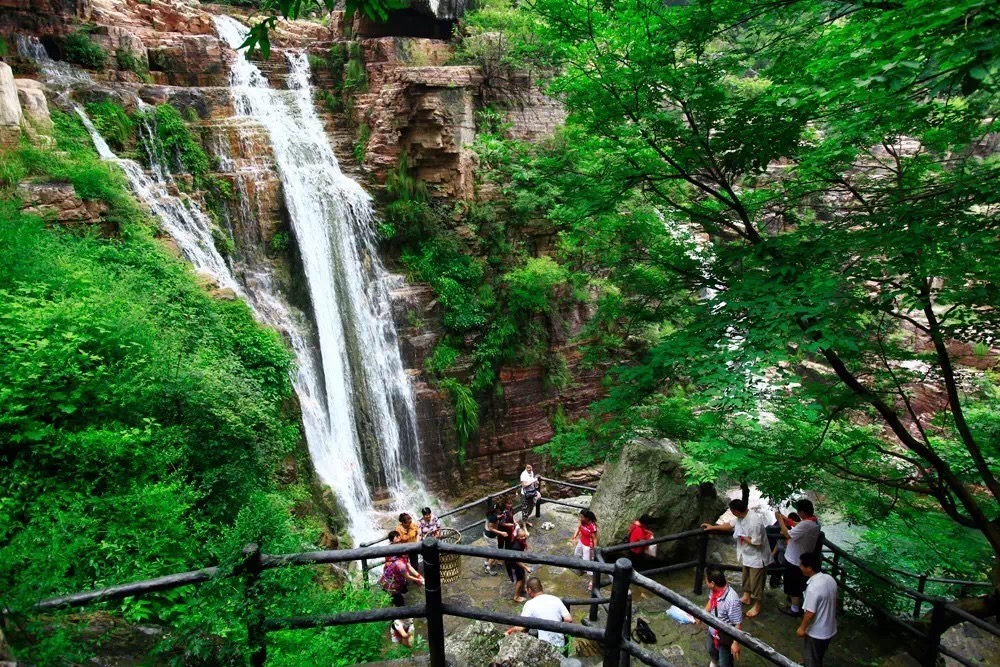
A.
pixel 515 572
pixel 795 581
pixel 502 542
pixel 584 552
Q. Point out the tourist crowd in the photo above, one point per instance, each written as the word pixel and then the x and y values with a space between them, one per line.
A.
pixel 788 550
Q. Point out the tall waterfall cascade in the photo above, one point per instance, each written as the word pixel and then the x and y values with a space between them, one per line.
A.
pixel 352 390
pixel 364 419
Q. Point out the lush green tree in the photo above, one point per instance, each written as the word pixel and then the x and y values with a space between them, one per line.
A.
pixel 788 208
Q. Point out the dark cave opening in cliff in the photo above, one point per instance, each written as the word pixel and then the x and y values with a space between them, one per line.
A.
pixel 408 23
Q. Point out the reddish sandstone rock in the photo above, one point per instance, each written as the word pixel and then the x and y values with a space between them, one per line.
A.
pixel 58 202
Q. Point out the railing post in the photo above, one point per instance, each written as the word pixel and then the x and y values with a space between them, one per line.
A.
pixel 937 628
pixel 625 658
pixel 256 636
pixel 614 629
pixel 921 586
pixel 538 503
pixel 432 597
pixel 699 570
pixel 595 584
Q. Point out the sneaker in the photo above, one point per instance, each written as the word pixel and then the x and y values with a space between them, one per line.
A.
pixel 788 612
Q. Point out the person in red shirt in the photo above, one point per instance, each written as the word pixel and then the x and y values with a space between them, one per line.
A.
pixel 586 538
pixel 639 531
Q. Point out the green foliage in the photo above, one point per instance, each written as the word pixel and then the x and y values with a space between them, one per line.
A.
pixel 466 413
pixel 79 49
pixel 280 242
pixel 128 60
pixel 113 123
pixel 141 426
pixel 3 46
pixel 175 144
pixel 531 288
pixel 443 358
pixel 355 75
pixel 361 143
pixel 776 314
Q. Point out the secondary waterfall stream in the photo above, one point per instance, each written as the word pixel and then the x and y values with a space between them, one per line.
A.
pixel 356 401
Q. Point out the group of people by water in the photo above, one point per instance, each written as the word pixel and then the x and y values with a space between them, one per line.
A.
pixel 793 545
pixel 788 550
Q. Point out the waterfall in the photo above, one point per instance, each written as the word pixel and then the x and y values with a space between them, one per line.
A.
pixel 365 419
pixel 188 225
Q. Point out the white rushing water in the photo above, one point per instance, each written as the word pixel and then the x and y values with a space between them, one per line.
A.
pixel 186 223
pixel 365 417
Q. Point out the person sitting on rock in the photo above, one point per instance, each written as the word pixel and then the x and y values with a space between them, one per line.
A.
pixel 429 525
pixel 546 607
pixel 407 530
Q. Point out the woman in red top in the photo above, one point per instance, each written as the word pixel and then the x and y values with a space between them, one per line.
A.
pixel 641 557
pixel 586 538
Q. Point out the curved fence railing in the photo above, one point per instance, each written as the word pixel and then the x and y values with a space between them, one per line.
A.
pixel 618 649
pixel 619 575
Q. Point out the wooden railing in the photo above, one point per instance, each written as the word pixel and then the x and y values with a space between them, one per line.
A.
pixel 618 649
pixel 928 631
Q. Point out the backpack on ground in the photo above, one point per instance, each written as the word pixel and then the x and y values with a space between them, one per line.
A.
pixel 643 632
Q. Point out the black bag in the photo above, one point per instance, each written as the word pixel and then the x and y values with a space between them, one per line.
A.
pixel 643 632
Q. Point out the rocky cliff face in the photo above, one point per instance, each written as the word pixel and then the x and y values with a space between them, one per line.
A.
pixel 411 102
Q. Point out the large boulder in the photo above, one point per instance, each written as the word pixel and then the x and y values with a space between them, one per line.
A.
pixel 523 650
pixel 648 478
pixel 474 645
pixel 10 107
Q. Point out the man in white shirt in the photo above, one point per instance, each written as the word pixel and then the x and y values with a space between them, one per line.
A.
pixel 802 538
pixel 819 622
pixel 752 551
pixel 546 607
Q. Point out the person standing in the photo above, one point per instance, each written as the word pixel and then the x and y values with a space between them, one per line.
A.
pixel 752 551
pixel 586 539
pixel 546 607
pixel 802 538
pixel 529 493
pixel 492 532
pixel 819 622
pixel 507 524
pixel 724 604
pixel 517 571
